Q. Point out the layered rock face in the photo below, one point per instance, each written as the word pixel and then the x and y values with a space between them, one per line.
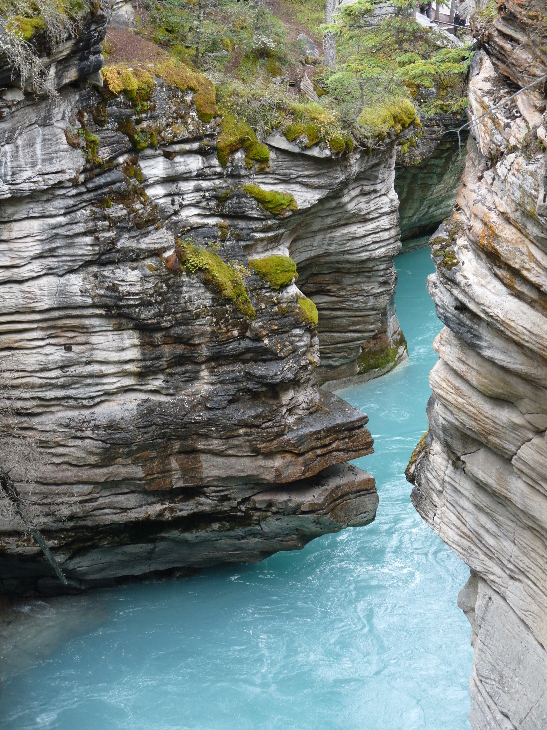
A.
pixel 168 379
pixel 480 474
pixel 344 247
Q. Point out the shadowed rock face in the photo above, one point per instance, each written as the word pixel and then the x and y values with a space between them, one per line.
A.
pixel 427 190
pixel 480 475
pixel 177 427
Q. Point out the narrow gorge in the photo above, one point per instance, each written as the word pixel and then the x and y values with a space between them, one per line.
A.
pixel 201 229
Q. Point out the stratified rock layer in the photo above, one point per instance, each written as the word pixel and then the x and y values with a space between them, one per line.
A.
pixel 480 474
pixel 178 418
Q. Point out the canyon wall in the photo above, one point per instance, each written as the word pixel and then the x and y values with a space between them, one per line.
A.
pixel 480 473
pixel 157 347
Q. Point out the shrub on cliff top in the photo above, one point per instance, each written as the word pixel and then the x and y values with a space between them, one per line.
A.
pixel 384 58
pixel 278 271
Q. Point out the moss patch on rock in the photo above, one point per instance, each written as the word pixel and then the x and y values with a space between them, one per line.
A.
pixel 137 84
pixel 179 75
pixel 278 271
pixel 25 28
pixel 236 134
pixel 418 450
pixel 310 124
pixel 308 311
pixel 277 203
pixel 379 119
pixel 224 279
pixel 442 246
pixel 379 359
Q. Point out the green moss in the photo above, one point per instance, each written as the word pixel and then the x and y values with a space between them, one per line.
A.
pixel 222 278
pixel 277 203
pixel 139 139
pixel 179 75
pixel 25 28
pixel 379 359
pixel 56 19
pixel 132 169
pixel 91 146
pixel 379 119
pixel 223 229
pixel 418 449
pixel 449 259
pixel 137 84
pixel 278 271
pixel 408 145
pixel 224 196
pixel 293 131
pixel 337 144
pixel 308 311
pixel 317 124
pixel 236 134
pixel 313 134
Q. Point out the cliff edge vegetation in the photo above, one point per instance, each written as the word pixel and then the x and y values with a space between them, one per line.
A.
pixel 266 63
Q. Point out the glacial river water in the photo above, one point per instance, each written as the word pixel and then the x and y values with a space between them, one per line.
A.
pixel 358 631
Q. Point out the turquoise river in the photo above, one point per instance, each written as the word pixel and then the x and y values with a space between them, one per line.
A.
pixel 358 631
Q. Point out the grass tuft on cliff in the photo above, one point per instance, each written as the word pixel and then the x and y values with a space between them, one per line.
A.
pixel 278 271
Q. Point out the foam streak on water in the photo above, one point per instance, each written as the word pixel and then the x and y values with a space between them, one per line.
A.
pixel 358 631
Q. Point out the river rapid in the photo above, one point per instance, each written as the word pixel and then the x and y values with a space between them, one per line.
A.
pixel 358 631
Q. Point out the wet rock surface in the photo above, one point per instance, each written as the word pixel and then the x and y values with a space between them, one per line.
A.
pixel 480 474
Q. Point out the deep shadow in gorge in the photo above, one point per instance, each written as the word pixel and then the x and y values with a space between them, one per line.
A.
pixel 427 190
